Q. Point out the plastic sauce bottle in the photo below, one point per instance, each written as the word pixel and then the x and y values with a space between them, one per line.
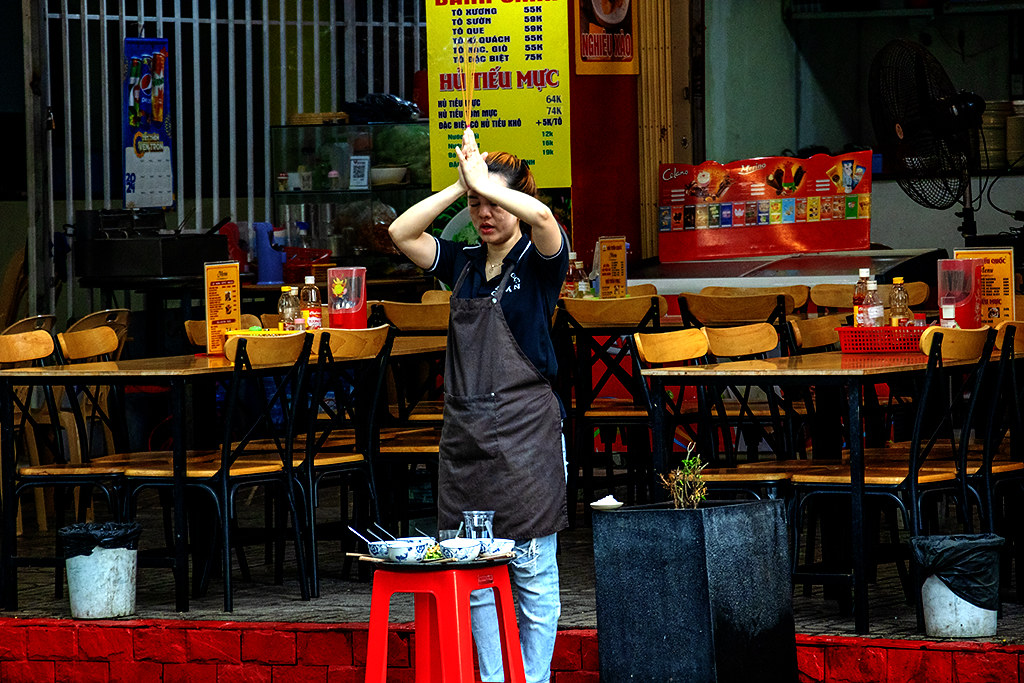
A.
pixel 288 308
pixel 310 304
pixel 582 281
pixel 859 291
pixel 899 304
pixel 871 313
pixel 569 286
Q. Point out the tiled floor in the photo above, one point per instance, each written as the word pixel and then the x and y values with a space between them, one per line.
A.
pixel 348 600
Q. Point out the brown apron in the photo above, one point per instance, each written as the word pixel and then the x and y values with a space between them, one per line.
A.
pixel 501 443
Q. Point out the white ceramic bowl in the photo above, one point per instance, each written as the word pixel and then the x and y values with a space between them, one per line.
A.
pixel 497 546
pixel 407 551
pixel 378 549
pixel 388 175
pixel 461 549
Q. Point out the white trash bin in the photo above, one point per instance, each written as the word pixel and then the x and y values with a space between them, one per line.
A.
pixel 947 615
pixel 101 582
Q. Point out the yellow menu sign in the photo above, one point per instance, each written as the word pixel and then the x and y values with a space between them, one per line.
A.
pixel 996 286
pixel 613 267
pixel 223 303
pixel 516 56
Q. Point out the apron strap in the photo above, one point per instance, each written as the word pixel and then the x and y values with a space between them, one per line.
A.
pixel 500 289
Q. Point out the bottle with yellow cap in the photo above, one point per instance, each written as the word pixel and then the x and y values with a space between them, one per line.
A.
pixel 899 304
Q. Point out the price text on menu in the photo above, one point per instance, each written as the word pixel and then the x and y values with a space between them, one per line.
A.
pixel 516 55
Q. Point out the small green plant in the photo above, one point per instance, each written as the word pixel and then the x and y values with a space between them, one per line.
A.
pixel 685 483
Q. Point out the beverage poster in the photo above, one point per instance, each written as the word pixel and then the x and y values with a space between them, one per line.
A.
pixel 223 303
pixel 764 206
pixel 146 123
pixel 995 293
pixel 503 68
pixel 605 37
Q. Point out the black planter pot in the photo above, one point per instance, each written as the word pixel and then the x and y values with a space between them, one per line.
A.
pixel 695 595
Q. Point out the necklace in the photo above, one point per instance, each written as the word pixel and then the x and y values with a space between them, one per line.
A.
pixel 493 266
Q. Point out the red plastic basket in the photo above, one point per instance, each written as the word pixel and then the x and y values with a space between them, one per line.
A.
pixel 880 339
pixel 299 262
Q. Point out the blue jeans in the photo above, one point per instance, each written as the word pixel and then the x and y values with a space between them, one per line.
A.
pixel 534 576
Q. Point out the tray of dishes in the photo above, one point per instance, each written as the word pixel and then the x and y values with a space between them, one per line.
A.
pixel 424 551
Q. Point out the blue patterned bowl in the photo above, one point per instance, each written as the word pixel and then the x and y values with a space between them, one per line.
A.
pixel 407 551
pixel 378 549
pixel 497 546
pixel 461 549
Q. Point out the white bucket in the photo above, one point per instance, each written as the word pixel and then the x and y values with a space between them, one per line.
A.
pixel 947 615
pixel 102 585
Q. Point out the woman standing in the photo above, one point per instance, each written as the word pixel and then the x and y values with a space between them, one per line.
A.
pixel 501 443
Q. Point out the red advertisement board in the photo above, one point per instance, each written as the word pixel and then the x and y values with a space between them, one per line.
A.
pixel 769 205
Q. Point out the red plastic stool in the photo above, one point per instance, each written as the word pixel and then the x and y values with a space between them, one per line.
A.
pixel 444 641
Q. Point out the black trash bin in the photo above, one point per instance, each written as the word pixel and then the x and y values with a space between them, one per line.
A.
pixel 101 562
pixel 960 593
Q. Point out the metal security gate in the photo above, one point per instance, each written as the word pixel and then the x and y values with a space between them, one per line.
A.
pixel 239 66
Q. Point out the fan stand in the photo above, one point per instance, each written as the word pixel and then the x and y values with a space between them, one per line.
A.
pixel 968 227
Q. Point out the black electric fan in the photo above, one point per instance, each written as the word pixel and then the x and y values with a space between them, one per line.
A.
pixel 926 129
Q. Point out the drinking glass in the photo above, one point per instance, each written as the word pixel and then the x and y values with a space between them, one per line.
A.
pixel 479 523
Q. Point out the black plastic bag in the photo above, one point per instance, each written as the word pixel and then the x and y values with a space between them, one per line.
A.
pixel 967 564
pixel 81 539
pixel 381 107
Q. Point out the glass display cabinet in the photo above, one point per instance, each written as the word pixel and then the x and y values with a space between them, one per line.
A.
pixel 345 184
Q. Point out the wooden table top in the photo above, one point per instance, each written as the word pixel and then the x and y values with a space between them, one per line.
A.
pixel 831 363
pixel 169 367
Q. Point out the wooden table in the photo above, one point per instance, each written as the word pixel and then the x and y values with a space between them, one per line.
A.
pixel 849 371
pixel 176 372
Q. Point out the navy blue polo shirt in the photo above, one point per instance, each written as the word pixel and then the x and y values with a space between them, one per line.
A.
pixel 530 296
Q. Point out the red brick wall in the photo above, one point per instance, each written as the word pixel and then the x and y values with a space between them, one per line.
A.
pixel 43 650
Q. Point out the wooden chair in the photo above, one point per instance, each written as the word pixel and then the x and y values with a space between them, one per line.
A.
pixel 44 322
pixel 219 476
pixel 905 485
pixel 411 318
pixel 771 419
pixel 800 293
pixel 644 289
pixel 705 310
pixel 599 390
pixel 195 330
pixel 38 347
pixel 117 319
pixel 342 434
pixel 269 321
pixel 436 296
pixel 829 298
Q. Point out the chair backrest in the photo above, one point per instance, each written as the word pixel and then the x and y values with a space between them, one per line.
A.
pixel 812 334
pixel 957 343
pixel 100 343
pixel 412 318
pixel 630 311
pixel 667 348
pixel 743 341
pixel 353 363
pixel 706 310
pixel 352 344
pixel 1018 337
pixel 436 296
pixel 643 289
pixel 270 320
pixel 26 347
pixel 45 322
pixel 252 409
pixel 13 287
pixel 800 293
pixel 117 319
pixel 840 297
pixel 270 349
